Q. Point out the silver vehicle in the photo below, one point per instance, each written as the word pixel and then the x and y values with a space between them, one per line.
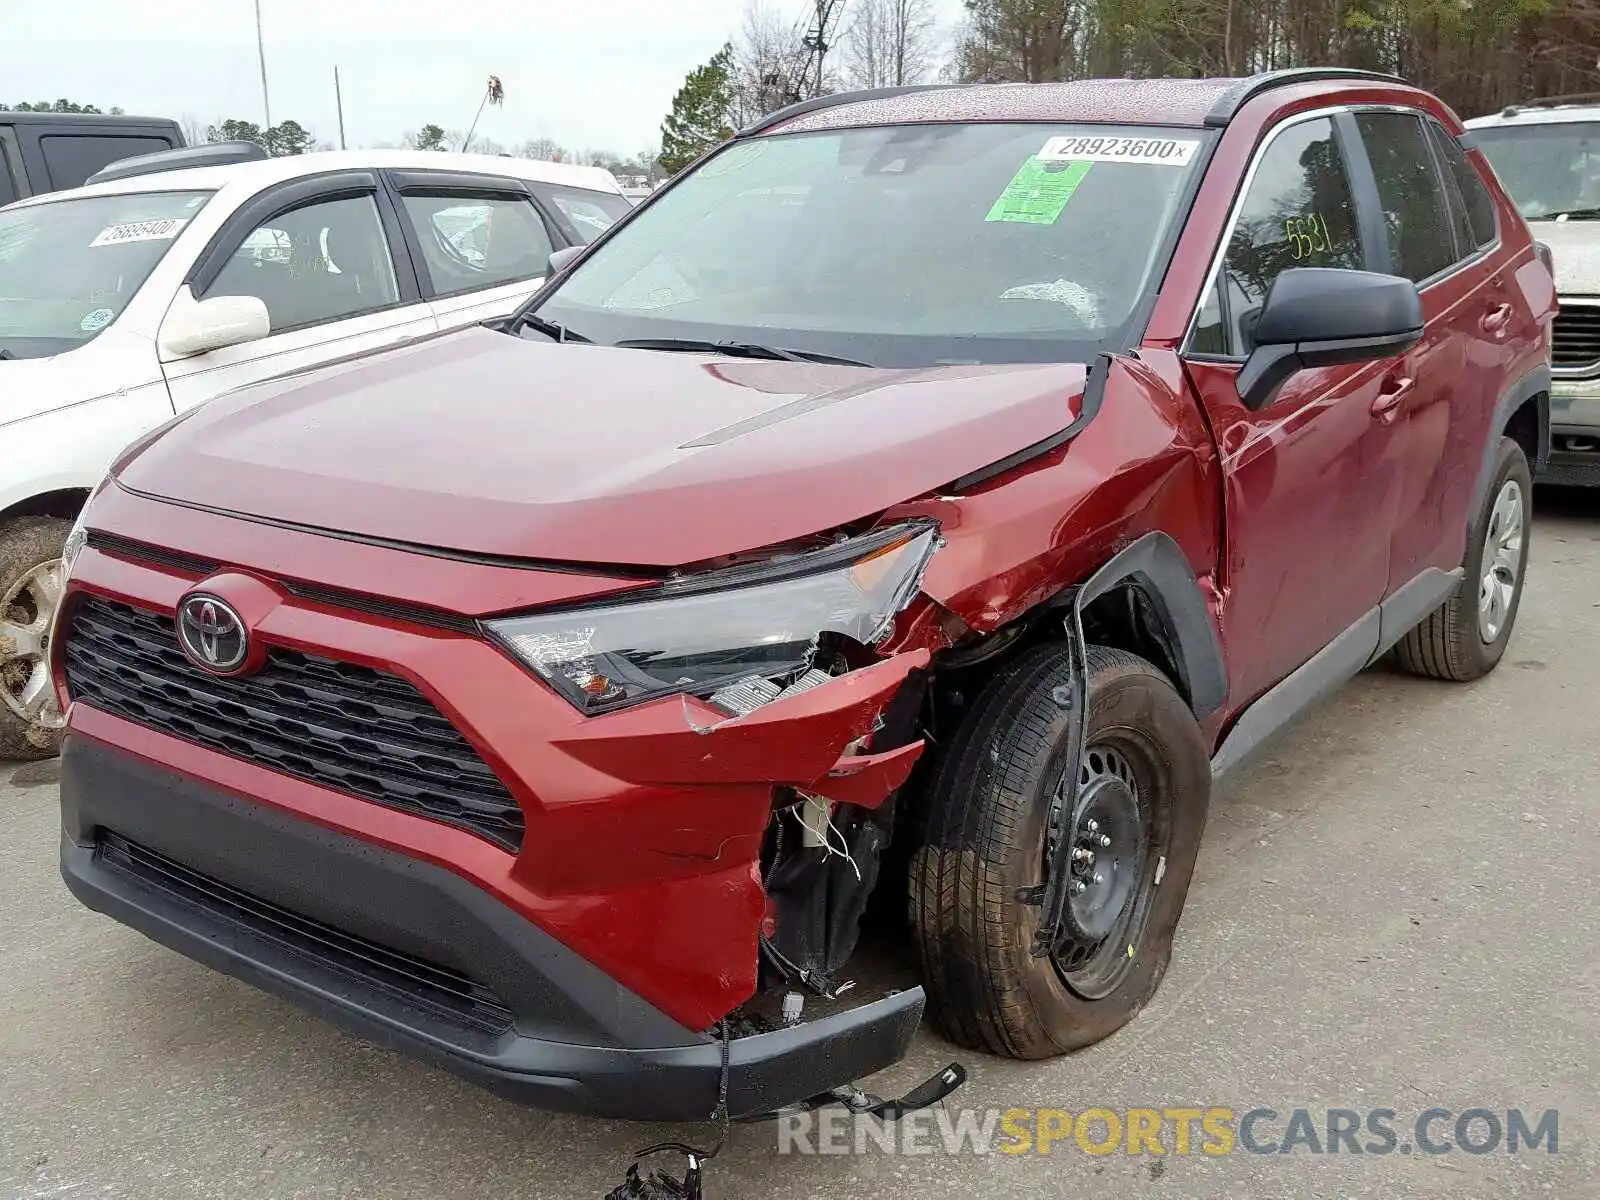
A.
pixel 1547 154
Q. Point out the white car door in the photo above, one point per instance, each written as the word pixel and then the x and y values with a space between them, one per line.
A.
pixel 480 242
pixel 326 256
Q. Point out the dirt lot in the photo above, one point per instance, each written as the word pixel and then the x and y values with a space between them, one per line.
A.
pixel 1397 909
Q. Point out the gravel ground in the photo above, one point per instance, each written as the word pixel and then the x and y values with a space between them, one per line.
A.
pixel 1396 909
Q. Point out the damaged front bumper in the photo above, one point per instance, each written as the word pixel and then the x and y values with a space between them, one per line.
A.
pixel 584 967
pixel 412 956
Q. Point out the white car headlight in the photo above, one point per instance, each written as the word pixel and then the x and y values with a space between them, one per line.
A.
pixel 78 535
pixel 739 636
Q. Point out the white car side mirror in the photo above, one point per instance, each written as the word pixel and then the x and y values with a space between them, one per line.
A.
pixel 560 258
pixel 195 326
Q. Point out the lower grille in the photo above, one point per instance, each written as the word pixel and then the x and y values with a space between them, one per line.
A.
pixel 440 990
pixel 349 728
pixel 1576 337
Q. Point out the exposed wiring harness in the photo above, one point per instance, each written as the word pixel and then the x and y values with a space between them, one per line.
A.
pixel 658 1185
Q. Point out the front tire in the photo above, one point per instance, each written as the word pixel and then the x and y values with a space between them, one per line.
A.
pixel 31 583
pixel 992 815
pixel 1465 637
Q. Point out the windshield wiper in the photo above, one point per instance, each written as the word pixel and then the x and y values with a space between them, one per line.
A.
pixel 1571 214
pixel 739 350
pixel 550 329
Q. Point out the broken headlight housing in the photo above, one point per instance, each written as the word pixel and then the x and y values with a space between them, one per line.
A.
pixel 739 637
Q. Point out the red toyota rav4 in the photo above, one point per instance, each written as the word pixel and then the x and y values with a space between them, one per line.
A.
pixel 929 493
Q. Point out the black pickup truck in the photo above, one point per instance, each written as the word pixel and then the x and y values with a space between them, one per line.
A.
pixel 46 152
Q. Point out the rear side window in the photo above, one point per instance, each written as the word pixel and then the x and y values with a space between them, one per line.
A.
pixel 70 158
pixel 1299 212
pixel 1480 227
pixel 588 213
pixel 471 242
pixel 1410 193
pixel 8 187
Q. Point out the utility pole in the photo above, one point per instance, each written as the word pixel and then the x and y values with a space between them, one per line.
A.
pixel 261 54
pixel 338 100
pixel 816 39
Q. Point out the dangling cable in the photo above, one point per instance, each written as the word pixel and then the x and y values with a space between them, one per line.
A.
pixel 657 1186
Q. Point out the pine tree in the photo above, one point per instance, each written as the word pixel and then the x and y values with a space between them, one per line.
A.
pixel 700 116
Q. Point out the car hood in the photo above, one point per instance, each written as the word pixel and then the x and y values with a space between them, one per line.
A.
pixel 1575 246
pixel 31 386
pixel 486 444
pixel 115 363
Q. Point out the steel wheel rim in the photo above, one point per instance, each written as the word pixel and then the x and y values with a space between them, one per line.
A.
pixel 1110 833
pixel 27 615
pixel 1501 563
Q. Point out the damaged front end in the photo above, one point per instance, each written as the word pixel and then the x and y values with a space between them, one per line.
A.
pixel 778 675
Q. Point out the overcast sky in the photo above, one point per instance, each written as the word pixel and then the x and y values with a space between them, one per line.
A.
pixel 590 73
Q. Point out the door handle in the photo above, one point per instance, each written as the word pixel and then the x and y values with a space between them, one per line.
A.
pixel 1497 319
pixel 1390 396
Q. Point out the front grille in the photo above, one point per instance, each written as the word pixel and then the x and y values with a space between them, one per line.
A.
pixel 345 727
pixel 1577 337
pixel 440 990
pixel 176 560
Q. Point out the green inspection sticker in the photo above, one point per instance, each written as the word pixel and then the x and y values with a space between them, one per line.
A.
pixel 1038 192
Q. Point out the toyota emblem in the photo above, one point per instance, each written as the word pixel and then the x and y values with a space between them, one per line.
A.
pixel 212 634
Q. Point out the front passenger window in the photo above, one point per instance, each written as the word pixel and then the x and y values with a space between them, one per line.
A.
pixel 1299 212
pixel 319 263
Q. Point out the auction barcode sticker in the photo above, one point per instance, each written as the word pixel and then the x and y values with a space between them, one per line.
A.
pixel 163 230
pixel 1163 152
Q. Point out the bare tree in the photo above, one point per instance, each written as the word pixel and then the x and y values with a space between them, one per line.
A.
pixel 194 131
pixel 890 43
pixel 547 149
pixel 1477 56
pixel 771 63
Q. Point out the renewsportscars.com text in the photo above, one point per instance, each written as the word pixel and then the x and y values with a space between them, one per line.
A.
pixel 1210 1132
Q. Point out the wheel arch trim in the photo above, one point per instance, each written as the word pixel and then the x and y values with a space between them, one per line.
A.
pixel 1158 567
pixel 1534 386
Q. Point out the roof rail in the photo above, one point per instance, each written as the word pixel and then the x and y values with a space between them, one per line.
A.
pixel 1231 101
pixel 214 154
pixel 817 103
pixel 1551 102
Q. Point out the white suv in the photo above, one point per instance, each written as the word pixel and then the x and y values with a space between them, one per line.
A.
pixel 1547 154
pixel 125 303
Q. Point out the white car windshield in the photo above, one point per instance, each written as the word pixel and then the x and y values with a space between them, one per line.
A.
pixel 1548 169
pixel 69 267
pixel 898 246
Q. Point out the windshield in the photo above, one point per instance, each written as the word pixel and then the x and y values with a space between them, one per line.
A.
pixel 901 246
pixel 69 267
pixel 1547 169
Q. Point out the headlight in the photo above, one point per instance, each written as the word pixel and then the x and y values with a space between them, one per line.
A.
pixel 78 535
pixel 745 633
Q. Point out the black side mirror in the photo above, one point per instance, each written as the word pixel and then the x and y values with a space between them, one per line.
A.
pixel 1324 316
pixel 561 258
